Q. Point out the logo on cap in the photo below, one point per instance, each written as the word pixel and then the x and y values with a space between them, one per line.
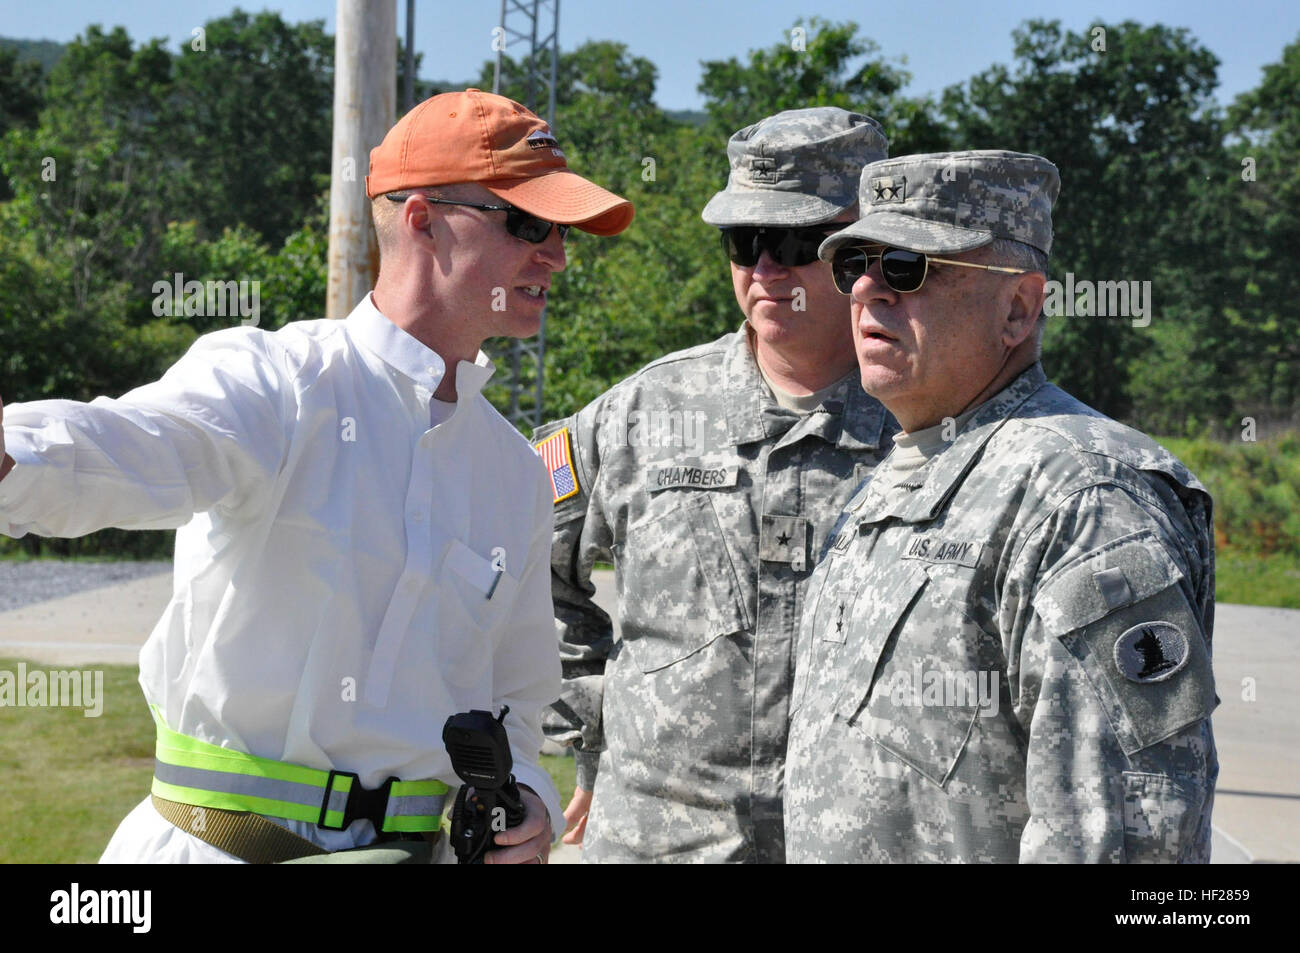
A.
pixel 542 139
pixel 762 168
pixel 888 188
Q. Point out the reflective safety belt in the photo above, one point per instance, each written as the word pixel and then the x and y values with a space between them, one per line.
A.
pixel 190 771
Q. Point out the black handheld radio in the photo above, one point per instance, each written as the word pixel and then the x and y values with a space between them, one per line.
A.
pixel 489 800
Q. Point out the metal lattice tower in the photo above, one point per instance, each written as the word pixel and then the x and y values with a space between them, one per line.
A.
pixel 521 21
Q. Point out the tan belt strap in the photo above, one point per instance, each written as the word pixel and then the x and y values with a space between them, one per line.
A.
pixel 250 837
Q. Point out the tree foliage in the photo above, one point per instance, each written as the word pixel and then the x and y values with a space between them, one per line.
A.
pixel 1132 129
pixel 825 64
pixel 127 164
pixel 1265 183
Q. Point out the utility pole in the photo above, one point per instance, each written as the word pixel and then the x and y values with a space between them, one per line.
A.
pixel 365 67
pixel 521 20
pixel 408 92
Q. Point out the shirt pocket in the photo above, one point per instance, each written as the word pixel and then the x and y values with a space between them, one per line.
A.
pixel 677 585
pixel 921 672
pixel 484 588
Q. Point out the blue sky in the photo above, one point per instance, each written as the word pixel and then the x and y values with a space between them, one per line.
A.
pixel 942 43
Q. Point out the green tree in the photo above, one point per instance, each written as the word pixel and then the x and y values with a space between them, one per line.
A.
pixel 1265 181
pixel 829 65
pixel 251 120
pixel 95 174
pixel 21 91
pixel 21 95
pixel 91 186
pixel 1135 135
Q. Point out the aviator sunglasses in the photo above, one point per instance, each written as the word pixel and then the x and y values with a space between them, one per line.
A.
pixel 788 247
pixel 519 223
pixel 904 271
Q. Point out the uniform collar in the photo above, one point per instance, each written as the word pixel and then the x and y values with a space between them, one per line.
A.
pixel 945 472
pixel 864 420
pixel 410 357
pixel 752 411
pixel 849 418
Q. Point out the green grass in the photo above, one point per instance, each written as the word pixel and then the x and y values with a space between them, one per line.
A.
pixel 1254 580
pixel 1256 491
pixel 66 781
pixel 564 772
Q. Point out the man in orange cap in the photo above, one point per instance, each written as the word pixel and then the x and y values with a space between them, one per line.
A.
pixel 364 543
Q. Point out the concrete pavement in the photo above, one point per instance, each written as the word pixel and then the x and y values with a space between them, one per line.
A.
pixel 1256 663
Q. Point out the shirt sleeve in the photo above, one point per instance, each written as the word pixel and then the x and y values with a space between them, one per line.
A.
pixel 585 631
pixel 1115 688
pixel 525 669
pixel 211 433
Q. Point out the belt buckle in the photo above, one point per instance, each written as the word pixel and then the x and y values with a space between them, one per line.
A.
pixel 325 800
pixel 362 804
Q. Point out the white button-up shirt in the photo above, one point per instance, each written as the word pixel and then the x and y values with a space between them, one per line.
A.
pixel 355 563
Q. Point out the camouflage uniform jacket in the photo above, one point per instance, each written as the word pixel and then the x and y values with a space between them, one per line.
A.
pixel 712 502
pixel 1066 561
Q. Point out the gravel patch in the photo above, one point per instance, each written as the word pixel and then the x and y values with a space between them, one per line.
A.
pixel 24 583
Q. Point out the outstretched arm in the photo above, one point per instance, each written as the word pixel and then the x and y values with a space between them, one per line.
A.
pixel 211 433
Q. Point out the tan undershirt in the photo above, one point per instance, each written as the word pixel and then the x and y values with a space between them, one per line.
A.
pixel 800 405
pixel 914 450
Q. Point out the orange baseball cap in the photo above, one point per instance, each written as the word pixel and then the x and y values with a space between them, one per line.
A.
pixel 481 137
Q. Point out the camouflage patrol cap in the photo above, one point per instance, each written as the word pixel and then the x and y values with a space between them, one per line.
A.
pixel 953 202
pixel 799 167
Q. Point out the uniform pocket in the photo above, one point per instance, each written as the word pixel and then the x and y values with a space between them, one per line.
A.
pixel 1162 819
pixel 925 675
pixel 677 586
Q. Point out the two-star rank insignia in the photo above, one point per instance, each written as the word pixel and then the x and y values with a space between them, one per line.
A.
pixel 888 188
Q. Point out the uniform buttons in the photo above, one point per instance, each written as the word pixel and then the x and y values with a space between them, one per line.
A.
pixel 418 516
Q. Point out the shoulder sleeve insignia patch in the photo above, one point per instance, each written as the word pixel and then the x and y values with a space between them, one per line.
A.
pixel 1151 652
pixel 557 454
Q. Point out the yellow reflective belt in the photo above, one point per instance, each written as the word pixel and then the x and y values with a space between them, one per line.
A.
pixel 195 772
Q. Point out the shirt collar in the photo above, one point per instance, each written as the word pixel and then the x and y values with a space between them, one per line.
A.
pixel 850 418
pixel 945 471
pixel 408 356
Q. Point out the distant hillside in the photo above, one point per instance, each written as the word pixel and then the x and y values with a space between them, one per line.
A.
pixel 690 116
pixel 45 52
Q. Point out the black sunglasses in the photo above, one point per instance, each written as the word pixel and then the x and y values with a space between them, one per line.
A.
pixel 904 271
pixel 788 247
pixel 519 223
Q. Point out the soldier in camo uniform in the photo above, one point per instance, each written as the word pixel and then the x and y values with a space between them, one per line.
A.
pixel 1005 655
pixel 711 479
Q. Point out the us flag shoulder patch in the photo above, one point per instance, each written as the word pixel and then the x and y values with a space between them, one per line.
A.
pixel 558 457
